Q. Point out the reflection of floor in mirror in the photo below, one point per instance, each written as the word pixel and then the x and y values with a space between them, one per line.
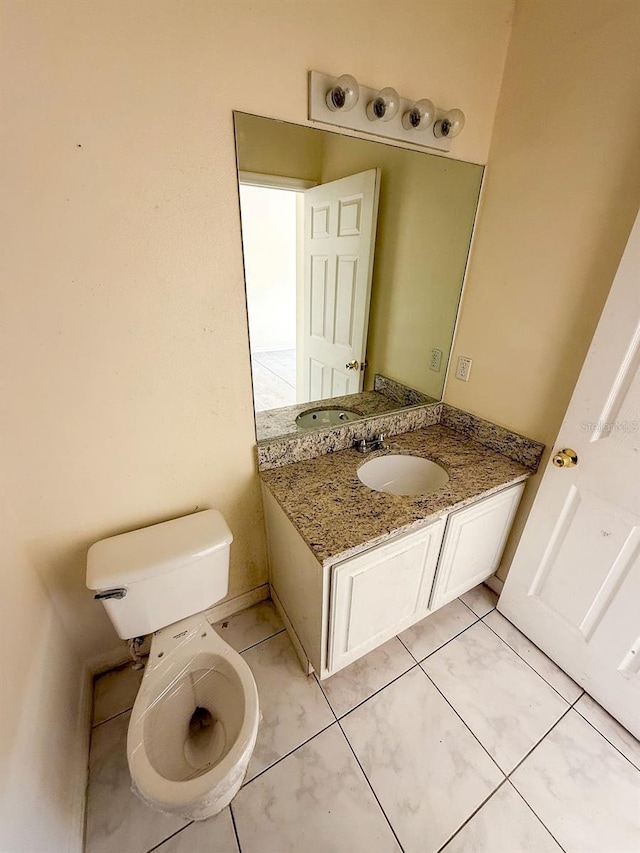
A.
pixel 274 379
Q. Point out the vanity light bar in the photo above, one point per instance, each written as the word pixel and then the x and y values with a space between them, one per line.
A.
pixel 343 102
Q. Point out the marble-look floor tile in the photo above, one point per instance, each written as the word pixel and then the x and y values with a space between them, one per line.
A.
pixel 427 770
pixel 582 789
pixel 117 819
pixel 114 692
pixel 480 599
pixel 616 734
pixel 429 634
pixel 292 705
pixel 316 800
pixel 504 824
pixel 503 701
pixel 366 676
pixel 537 659
pixel 250 626
pixel 215 835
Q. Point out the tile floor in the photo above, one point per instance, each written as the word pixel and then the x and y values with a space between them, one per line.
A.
pixel 459 735
pixel 274 379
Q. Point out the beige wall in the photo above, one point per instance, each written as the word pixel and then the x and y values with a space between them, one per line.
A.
pixel 44 726
pixel 561 192
pixel 278 148
pixel 126 360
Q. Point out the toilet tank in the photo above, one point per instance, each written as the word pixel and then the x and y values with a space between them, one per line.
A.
pixel 167 571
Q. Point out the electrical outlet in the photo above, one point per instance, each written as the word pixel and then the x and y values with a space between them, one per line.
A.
pixel 463 370
pixel 436 359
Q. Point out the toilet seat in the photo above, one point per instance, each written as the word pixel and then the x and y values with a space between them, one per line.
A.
pixel 192 771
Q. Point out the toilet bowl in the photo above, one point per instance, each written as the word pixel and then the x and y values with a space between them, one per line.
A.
pixel 195 719
pixel 194 722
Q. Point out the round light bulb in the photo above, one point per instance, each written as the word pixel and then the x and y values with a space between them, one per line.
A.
pixel 420 116
pixel 344 94
pixel 449 125
pixel 384 106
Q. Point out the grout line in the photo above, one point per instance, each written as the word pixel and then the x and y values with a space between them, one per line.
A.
pixel 287 754
pixel 473 814
pixel 319 683
pixel 263 640
pixel 375 693
pixel 235 828
pixel 112 717
pixel 536 815
pixel 539 741
pixel 516 652
pixel 446 642
pixel 595 728
pixel 474 612
pixel 335 716
pixel 277 376
pixel 426 675
pixel 407 648
pixel 169 837
pixel 370 786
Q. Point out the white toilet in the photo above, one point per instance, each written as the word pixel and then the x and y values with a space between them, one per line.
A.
pixel 195 719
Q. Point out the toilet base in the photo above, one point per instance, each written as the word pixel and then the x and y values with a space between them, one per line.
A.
pixel 212 802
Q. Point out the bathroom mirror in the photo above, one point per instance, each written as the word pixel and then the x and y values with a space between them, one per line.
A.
pixel 354 254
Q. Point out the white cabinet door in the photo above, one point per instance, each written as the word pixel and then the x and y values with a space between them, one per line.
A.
pixel 473 545
pixel 380 592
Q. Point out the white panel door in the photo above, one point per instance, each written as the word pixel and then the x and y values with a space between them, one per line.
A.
pixel 380 592
pixel 574 586
pixel 340 220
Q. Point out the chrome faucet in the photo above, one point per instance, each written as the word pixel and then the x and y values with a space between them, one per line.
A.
pixel 364 445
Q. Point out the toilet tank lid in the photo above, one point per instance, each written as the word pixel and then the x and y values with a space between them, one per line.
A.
pixel 155 550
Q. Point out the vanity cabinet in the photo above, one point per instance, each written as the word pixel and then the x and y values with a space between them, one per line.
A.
pixel 338 612
pixel 380 592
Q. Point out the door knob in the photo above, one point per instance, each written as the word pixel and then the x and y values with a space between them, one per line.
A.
pixel 565 458
pixel 352 365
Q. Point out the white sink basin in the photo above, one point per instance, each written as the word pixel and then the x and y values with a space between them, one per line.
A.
pixel 402 475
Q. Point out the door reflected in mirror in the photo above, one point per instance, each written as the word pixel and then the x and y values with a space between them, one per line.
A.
pixel 354 257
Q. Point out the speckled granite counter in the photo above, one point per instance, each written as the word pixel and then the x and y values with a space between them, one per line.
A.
pixel 338 516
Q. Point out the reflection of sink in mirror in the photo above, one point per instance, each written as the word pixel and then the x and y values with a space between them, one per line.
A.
pixel 402 475
pixel 331 416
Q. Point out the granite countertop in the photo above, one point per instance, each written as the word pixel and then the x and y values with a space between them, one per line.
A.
pixel 338 516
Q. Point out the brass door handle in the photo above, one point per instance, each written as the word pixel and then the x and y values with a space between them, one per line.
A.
pixel 565 458
pixel 352 365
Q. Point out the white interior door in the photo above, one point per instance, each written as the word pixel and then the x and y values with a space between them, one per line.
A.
pixel 574 586
pixel 340 220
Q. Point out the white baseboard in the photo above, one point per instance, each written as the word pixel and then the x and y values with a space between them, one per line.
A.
pixel 495 584
pixel 120 654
